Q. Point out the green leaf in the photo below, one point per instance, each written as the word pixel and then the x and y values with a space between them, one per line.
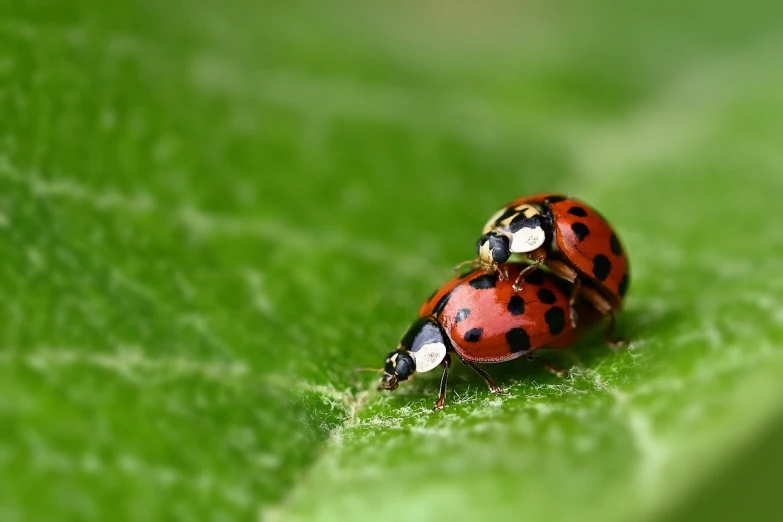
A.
pixel 212 213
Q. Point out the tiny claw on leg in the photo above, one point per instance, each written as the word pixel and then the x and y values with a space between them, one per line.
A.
pixel 493 387
pixel 443 380
pixel 555 370
pixel 615 343
pixel 525 271
pixel 497 390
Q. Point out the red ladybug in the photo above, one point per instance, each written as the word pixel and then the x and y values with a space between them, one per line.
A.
pixel 568 236
pixel 481 318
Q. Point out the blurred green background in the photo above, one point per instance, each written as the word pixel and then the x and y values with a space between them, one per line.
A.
pixel 212 212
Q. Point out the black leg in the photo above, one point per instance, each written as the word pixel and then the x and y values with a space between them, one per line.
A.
pixel 614 342
pixel 443 380
pixel 494 388
pixel 572 300
pixel 539 257
pixel 551 367
pixel 605 308
pixel 525 271
pixel 567 273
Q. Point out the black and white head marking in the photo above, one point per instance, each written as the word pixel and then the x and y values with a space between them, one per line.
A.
pixel 426 343
pixel 422 348
pixel 492 249
pixel 522 226
pixel 527 230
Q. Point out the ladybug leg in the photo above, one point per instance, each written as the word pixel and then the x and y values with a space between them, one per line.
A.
pixel 563 271
pixel 443 380
pixel 538 256
pixel 572 300
pixel 605 308
pixel 613 342
pixel 556 370
pixel 493 387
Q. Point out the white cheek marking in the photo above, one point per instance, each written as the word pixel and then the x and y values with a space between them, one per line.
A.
pixel 527 239
pixel 485 254
pixel 429 356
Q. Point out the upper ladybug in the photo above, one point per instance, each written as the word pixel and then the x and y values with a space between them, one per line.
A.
pixel 567 236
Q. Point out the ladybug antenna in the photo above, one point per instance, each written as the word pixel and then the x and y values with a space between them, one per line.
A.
pixel 376 370
pixel 472 263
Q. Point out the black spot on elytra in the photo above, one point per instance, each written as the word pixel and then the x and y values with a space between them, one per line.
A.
pixel 623 288
pixel 442 302
pixel 520 222
pixel 577 211
pixel 614 243
pixel 555 319
pixel 462 314
pixel 473 335
pixel 484 282
pixel 546 296
pixel 516 305
pixel 601 267
pixel 536 277
pixel 581 230
pixel 518 340
pixel 556 198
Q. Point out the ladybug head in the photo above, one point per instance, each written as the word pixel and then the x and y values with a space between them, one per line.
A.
pixel 398 367
pixel 422 348
pixel 492 249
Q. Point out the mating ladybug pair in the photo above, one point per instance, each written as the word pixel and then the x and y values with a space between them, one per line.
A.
pixel 509 306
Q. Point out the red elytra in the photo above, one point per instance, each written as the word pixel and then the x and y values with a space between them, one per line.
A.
pixel 483 319
pixel 431 305
pixel 487 321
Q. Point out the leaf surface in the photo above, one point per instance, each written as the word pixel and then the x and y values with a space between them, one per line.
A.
pixel 212 213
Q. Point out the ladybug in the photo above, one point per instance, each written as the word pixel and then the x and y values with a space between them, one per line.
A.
pixel 567 236
pixel 482 318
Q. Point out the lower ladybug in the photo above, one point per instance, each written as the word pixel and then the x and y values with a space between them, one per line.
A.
pixel 481 318
pixel 567 236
